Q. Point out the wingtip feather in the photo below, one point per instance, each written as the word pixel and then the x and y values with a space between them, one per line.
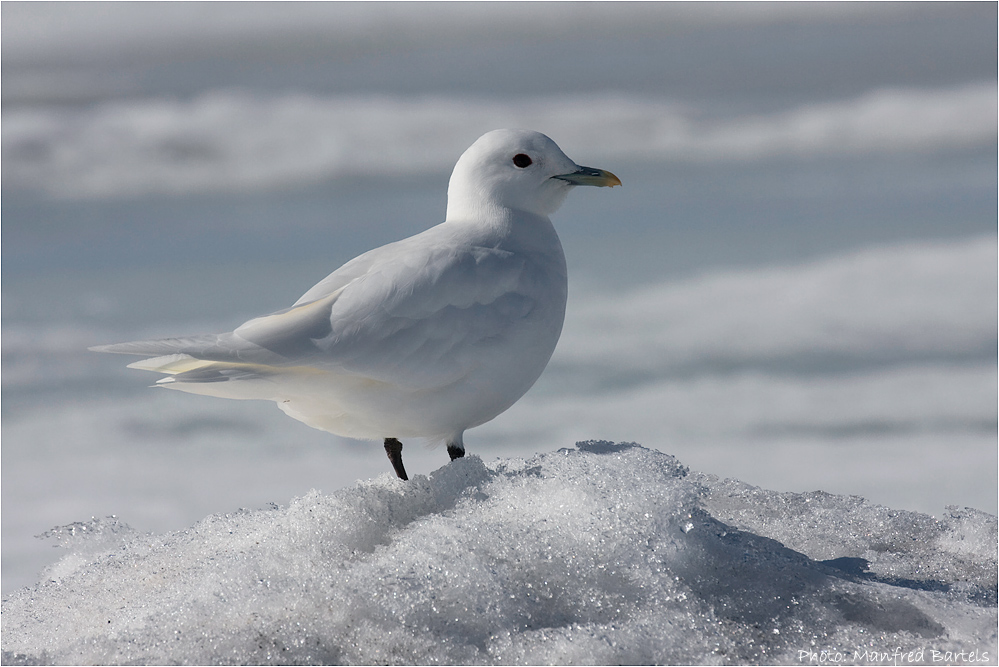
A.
pixel 169 363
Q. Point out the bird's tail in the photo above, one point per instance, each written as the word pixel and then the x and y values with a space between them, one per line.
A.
pixel 197 365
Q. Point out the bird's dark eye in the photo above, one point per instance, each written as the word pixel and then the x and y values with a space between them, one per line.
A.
pixel 522 161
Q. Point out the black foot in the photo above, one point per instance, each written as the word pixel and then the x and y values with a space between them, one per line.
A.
pixel 455 451
pixel 394 450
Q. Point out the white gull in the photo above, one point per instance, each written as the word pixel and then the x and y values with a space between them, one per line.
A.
pixel 425 337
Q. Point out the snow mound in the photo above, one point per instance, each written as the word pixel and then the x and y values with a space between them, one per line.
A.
pixel 602 554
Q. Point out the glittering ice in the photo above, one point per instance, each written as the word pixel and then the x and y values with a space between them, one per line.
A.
pixel 602 554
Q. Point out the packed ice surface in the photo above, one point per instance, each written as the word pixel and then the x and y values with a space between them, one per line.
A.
pixel 601 554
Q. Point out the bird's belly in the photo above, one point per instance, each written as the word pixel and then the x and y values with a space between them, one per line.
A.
pixel 355 406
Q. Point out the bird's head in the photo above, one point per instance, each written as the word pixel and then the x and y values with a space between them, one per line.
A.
pixel 515 170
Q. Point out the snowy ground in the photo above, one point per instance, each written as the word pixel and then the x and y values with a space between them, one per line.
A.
pixel 601 554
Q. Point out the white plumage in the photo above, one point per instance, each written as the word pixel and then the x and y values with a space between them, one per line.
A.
pixel 425 337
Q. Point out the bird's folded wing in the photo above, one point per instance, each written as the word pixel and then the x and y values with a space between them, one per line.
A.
pixel 290 333
pixel 417 319
pixel 416 316
pixel 426 320
pixel 270 340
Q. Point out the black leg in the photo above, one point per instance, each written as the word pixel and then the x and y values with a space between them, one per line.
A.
pixel 394 450
pixel 455 451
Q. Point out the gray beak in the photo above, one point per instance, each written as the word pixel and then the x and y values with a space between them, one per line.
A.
pixel 590 176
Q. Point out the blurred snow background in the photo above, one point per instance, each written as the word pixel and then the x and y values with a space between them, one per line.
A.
pixel 796 285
